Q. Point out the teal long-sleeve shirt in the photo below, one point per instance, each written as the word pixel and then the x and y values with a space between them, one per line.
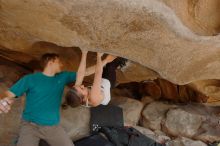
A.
pixel 43 96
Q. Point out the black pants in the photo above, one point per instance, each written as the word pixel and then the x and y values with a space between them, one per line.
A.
pixel 109 71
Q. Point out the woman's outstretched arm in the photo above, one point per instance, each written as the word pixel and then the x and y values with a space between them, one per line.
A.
pixel 82 69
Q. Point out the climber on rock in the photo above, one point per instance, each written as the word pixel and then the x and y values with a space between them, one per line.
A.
pixel 105 78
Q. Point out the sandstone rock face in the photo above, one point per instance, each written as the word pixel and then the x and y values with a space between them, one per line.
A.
pixel 185 142
pixel 209 130
pixel 152 135
pixel 147 100
pixel 188 124
pixel 209 133
pixel 208 87
pixel 75 121
pixel 10 122
pixel 197 121
pixel 147 132
pixel 201 16
pixel 131 109
pixel 154 33
pixel 154 114
pixel 10 72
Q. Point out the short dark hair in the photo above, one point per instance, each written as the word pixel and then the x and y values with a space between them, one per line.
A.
pixel 48 57
pixel 73 98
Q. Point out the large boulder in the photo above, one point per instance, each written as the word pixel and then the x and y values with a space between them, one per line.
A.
pixel 147 100
pixel 182 141
pixel 154 114
pixel 147 132
pixel 195 121
pixel 75 121
pixel 160 138
pixel 131 109
pixel 208 132
pixel 180 122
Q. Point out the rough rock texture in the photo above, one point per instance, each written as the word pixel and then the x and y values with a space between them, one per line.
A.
pixel 72 117
pixel 147 100
pixel 153 33
pixel 157 137
pixel 75 121
pixel 154 114
pixel 161 89
pixel 209 133
pixel 210 88
pixel 194 120
pixel 201 16
pixel 186 142
pixel 179 122
pixel 209 130
pixel 131 109
pixel 10 72
pixel 10 124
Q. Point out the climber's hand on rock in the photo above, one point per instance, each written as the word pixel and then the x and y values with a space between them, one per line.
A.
pixel 99 54
pixel 110 58
pixel 84 51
